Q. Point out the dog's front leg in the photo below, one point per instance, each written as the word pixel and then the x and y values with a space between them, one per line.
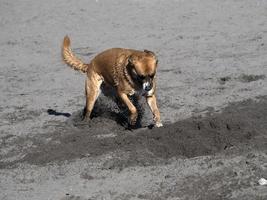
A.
pixel 152 102
pixel 131 107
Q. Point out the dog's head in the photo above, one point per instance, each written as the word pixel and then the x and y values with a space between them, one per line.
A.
pixel 142 69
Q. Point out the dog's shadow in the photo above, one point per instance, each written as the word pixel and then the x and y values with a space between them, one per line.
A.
pixel 106 108
pixel 118 112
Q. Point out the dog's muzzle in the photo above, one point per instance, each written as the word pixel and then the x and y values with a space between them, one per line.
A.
pixel 147 86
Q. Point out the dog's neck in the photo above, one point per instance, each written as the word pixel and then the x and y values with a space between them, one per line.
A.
pixel 128 77
pixel 120 68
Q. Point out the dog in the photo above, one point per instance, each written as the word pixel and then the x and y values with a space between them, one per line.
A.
pixel 127 71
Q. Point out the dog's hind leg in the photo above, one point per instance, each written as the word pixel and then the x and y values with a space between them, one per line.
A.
pixel 92 90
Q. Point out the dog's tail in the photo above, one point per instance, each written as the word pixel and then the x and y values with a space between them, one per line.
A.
pixel 70 58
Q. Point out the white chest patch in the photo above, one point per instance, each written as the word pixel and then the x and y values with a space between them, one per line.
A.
pixel 150 92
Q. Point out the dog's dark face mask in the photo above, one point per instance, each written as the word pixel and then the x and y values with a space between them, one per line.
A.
pixel 145 82
pixel 142 70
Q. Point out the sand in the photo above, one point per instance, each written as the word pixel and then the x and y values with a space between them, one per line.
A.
pixel 212 94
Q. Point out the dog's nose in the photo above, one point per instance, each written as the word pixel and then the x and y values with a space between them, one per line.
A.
pixel 148 87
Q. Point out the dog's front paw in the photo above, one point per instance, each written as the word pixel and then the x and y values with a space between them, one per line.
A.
pixel 86 119
pixel 133 119
pixel 158 124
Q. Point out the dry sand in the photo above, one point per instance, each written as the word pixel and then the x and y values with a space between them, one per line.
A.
pixel 212 93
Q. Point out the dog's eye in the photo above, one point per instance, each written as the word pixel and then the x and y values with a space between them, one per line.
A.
pixel 141 77
pixel 151 76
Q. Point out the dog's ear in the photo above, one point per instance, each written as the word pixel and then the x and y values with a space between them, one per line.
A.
pixel 150 53
pixel 131 60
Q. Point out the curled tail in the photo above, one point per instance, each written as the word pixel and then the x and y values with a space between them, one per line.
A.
pixel 70 58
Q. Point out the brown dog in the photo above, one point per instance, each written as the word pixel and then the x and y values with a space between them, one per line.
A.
pixel 125 70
